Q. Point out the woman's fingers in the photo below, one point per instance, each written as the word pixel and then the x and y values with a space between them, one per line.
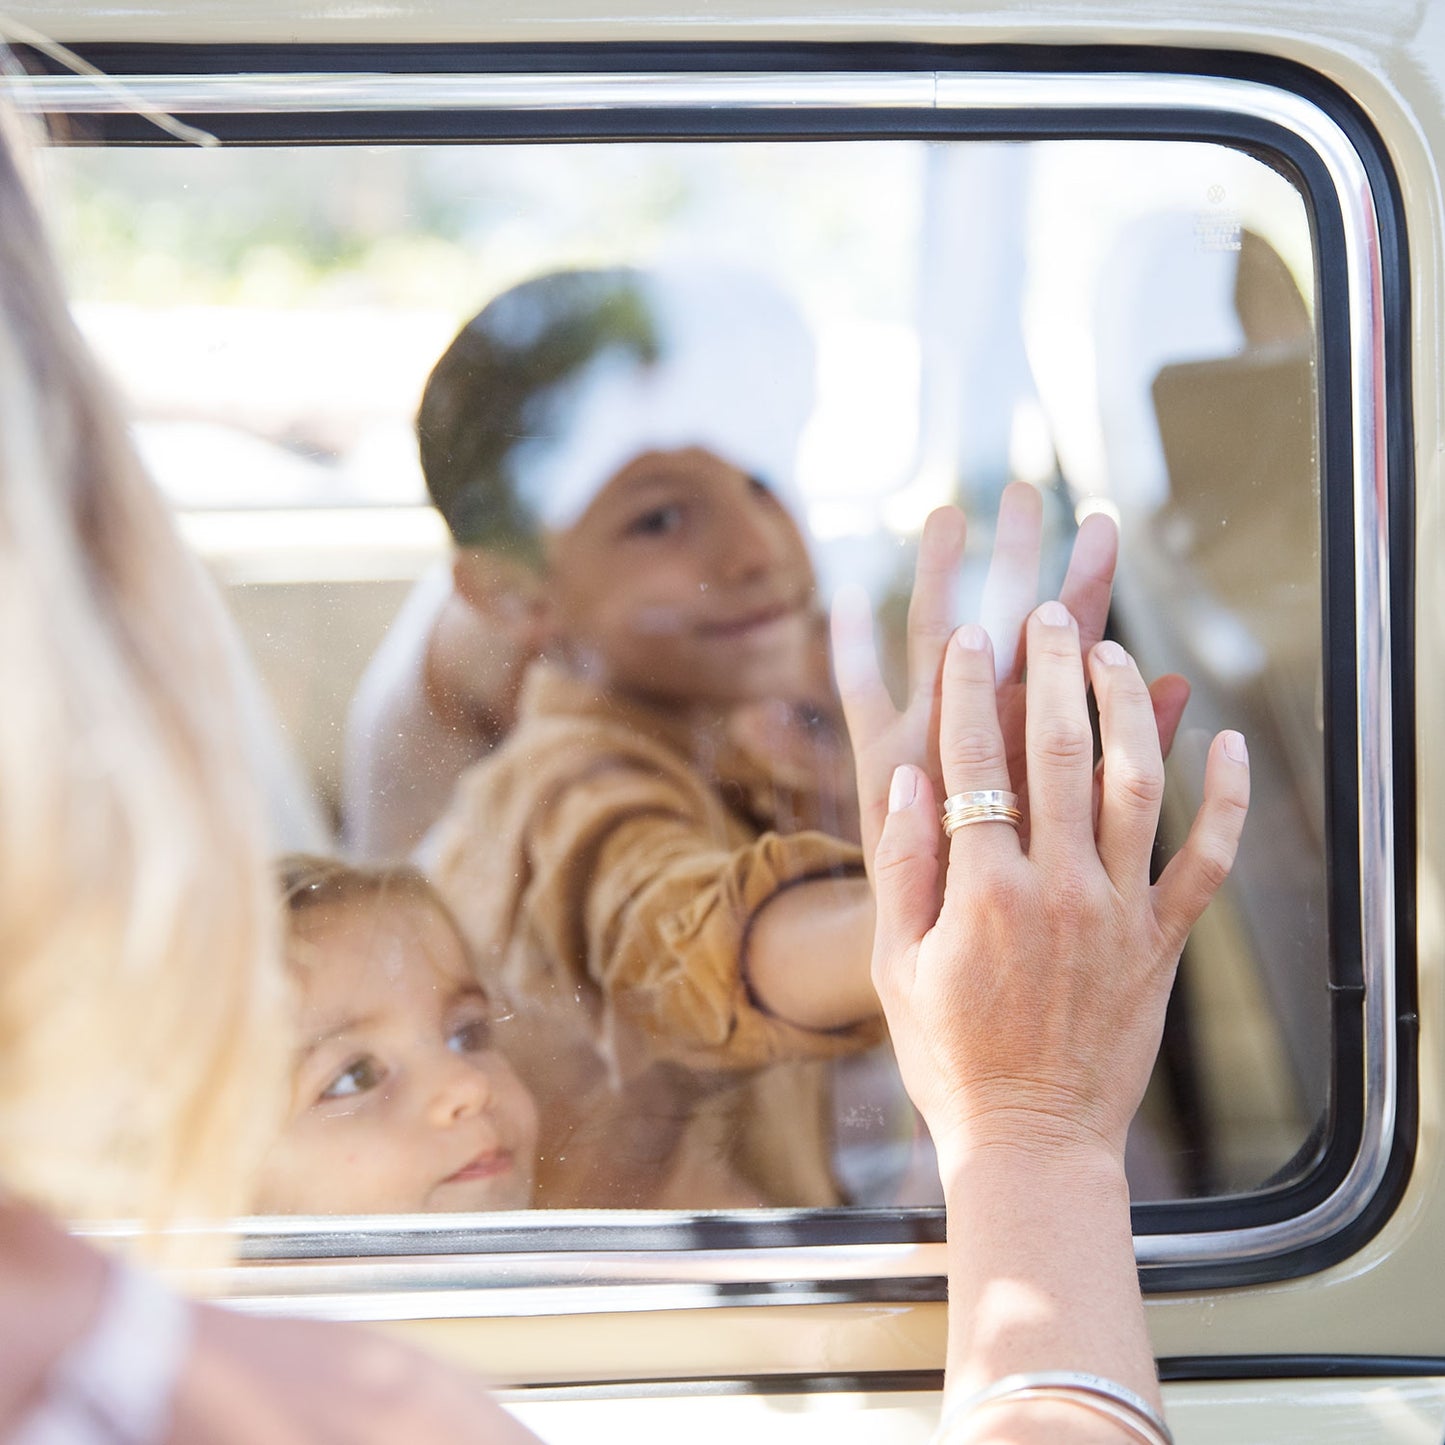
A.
pixel 970 742
pixel 1012 586
pixel 1059 739
pixel 1197 870
pixel 905 883
pixel 1133 766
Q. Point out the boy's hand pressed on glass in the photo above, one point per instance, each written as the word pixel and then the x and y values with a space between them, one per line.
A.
pixel 884 736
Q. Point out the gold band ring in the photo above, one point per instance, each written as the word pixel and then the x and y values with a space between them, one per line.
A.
pixel 963 817
pixel 990 805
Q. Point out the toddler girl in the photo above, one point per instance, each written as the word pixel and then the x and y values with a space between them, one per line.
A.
pixel 401 1101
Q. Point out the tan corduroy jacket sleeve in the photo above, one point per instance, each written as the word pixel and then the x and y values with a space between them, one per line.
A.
pixel 633 883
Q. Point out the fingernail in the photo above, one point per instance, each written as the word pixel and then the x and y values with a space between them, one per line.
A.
pixel 1054 614
pixel 1111 654
pixel 971 637
pixel 1234 747
pixel 903 789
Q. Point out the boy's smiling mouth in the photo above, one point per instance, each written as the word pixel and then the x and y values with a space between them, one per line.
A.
pixel 748 622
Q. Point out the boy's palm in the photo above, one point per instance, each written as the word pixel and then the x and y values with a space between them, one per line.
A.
pixel 885 737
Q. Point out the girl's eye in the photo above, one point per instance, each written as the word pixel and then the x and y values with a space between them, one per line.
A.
pixel 659 522
pixel 472 1037
pixel 358 1078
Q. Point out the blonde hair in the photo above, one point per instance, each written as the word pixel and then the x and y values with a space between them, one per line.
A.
pixel 142 1022
pixel 310 880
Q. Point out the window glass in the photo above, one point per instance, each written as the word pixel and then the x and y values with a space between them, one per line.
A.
pixel 779 358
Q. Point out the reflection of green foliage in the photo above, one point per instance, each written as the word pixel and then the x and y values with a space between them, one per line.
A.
pixel 170 253
pixel 317 227
pixel 441 227
pixel 503 384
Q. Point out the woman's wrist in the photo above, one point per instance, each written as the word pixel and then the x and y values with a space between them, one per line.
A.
pixel 1027 1145
pixel 1039 1240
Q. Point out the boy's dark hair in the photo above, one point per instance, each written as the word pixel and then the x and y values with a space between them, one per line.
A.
pixel 496 387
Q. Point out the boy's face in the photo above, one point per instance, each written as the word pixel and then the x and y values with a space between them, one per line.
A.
pixel 400 1103
pixel 685 580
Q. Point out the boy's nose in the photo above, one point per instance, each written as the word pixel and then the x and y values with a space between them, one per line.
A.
pixel 750 544
pixel 459 1091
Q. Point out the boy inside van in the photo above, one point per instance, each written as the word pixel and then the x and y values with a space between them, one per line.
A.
pixel 684 948
pixel 441 691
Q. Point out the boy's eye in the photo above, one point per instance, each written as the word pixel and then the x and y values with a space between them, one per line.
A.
pixel 472 1037
pixel 657 522
pixel 358 1078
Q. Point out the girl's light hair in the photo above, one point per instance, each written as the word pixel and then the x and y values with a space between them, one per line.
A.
pixel 313 880
pixel 142 1012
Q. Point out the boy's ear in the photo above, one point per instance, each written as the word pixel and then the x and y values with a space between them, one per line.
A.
pixel 508 594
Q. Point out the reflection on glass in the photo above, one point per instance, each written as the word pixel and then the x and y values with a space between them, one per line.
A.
pixel 867 330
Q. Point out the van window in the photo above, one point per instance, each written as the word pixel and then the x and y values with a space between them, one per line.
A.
pixel 1146 323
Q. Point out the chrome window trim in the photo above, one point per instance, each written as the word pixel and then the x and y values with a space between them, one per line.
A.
pixel 334 94
pixel 464 1285
pixel 591 1279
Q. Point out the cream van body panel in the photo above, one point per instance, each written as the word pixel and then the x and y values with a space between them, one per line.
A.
pixel 1388 1298
pixel 1342 1412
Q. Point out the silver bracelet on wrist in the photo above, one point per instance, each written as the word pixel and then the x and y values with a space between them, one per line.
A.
pixel 1090 1392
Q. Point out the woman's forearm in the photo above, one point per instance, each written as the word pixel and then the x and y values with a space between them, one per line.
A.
pixel 1041 1278
pixel 806 955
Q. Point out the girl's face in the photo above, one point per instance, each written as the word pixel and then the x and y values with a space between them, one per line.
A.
pixel 400 1102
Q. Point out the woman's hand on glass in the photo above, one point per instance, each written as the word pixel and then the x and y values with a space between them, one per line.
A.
pixel 1029 1005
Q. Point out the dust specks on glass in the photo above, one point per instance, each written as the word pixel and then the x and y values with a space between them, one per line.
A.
pixel 527 475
